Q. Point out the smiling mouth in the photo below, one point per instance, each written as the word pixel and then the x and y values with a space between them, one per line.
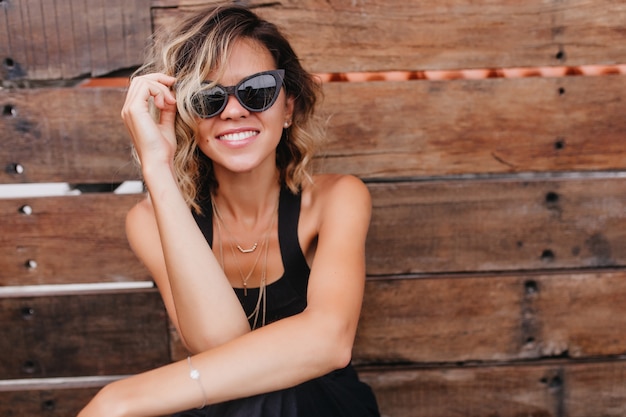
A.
pixel 239 136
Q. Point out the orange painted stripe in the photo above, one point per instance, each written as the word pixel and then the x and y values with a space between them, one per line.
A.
pixel 471 74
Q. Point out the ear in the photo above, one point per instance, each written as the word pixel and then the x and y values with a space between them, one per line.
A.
pixel 289 106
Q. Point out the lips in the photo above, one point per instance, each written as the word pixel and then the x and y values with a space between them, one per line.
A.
pixel 238 136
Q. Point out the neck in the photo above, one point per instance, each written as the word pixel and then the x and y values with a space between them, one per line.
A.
pixel 247 200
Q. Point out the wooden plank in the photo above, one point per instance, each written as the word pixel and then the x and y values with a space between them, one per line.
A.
pixel 547 390
pixel 432 128
pixel 113 18
pixel 497 225
pixel 487 319
pixel 492 318
pixel 68 54
pixel 414 128
pixel 49 403
pixel 596 389
pixel 49 396
pixel 39 25
pixel 342 35
pixel 67 240
pixel 66 40
pixel 12 50
pixel 575 316
pixel 472 391
pixel 137 23
pixel 51 142
pixel 60 336
pixel 422 227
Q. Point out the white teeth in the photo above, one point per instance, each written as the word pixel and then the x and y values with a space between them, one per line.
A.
pixel 238 136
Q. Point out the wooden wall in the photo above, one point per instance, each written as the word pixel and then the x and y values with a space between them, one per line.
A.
pixel 493 149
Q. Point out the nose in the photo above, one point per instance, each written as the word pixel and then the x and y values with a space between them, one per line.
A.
pixel 233 109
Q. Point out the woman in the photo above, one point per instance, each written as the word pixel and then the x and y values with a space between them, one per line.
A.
pixel 261 266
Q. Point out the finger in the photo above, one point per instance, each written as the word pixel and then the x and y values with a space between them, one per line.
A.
pixel 168 116
pixel 155 83
pixel 159 77
pixel 163 99
pixel 142 91
pixel 165 84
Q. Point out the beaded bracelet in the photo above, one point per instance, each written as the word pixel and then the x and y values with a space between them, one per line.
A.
pixel 195 375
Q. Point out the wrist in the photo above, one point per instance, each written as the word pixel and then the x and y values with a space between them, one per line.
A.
pixel 158 174
pixel 110 402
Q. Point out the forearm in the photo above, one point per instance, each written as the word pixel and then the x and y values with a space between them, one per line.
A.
pixel 207 308
pixel 278 356
pixel 275 357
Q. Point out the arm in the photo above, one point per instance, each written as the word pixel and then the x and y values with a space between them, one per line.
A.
pixel 284 353
pixel 163 233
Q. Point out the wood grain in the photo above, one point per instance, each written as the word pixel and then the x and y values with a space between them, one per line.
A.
pixel 551 389
pixel 49 403
pixel 65 135
pixel 90 334
pixel 496 255
pixel 418 227
pixel 70 240
pixel 492 318
pixel 375 130
pixel 342 35
pixel 496 126
pixel 67 39
pixel 497 225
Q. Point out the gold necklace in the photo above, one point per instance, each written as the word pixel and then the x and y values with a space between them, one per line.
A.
pixel 262 292
pixel 261 303
pixel 218 216
pixel 244 278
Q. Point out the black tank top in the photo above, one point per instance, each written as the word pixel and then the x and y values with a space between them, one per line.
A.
pixel 337 394
pixel 286 296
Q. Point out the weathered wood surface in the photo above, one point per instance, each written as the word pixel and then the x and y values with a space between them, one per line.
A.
pixel 492 318
pixel 376 129
pixel 49 403
pixel 554 389
pixel 343 35
pixel 417 228
pixel 497 250
pixel 70 40
pixel 67 240
pixel 67 39
pixel 90 334
pixel 497 225
pixel 65 135
pixel 430 128
pixel 434 320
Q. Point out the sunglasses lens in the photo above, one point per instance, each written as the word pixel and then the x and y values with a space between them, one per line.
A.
pixel 209 102
pixel 258 93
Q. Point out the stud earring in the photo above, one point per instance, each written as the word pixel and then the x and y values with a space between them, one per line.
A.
pixel 287 124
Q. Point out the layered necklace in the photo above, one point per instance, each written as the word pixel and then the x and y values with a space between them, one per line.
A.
pixel 261 304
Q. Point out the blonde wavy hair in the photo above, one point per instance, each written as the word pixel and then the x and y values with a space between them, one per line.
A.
pixel 199 46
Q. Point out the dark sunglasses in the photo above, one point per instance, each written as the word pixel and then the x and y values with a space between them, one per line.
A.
pixel 256 93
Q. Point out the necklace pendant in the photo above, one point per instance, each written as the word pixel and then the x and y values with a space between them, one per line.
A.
pixel 252 249
pixel 245 289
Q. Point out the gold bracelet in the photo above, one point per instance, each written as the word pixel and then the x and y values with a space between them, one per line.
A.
pixel 195 375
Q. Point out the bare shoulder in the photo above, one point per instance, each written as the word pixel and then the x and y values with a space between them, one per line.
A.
pixel 337 185
pixel 140 219
pixel 336 195
pixel 140 212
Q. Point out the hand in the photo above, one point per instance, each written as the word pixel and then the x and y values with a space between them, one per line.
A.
pixel 154 140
